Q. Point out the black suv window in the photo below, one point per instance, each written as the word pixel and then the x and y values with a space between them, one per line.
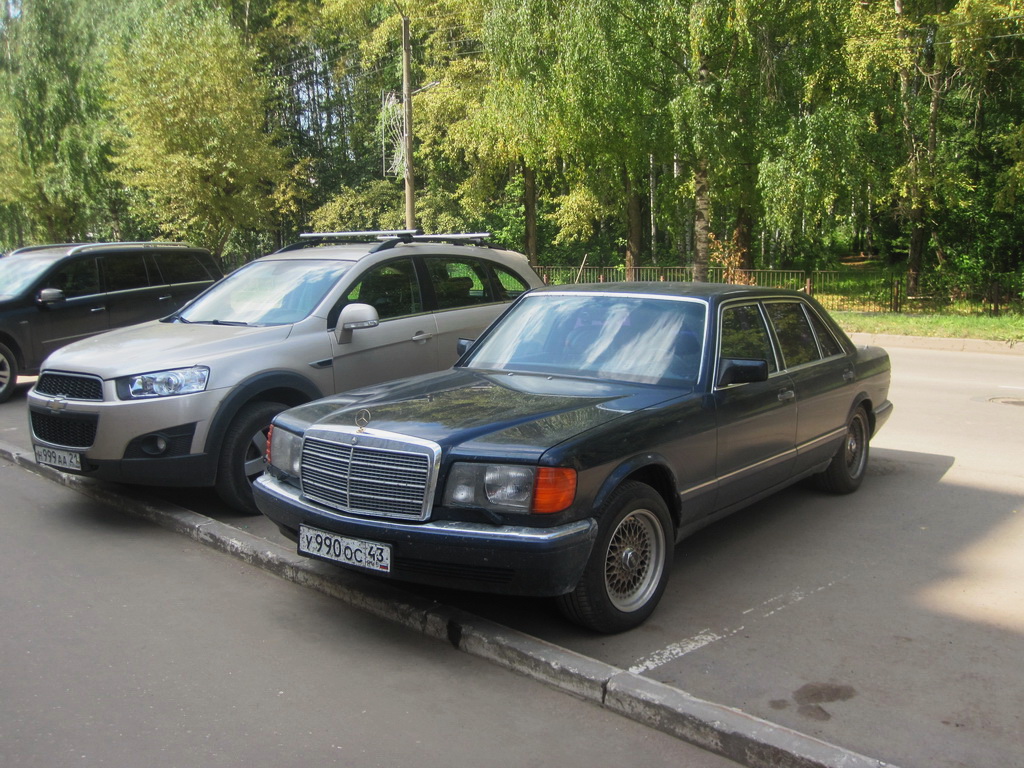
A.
pixel 125 272
pixel 79 278
pixel 459 282
pixel 794 333
pixel 745 335
pixel 392 289
pixel 182 268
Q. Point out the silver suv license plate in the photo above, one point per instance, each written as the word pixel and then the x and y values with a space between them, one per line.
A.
pixel 371 555
pixel 61 459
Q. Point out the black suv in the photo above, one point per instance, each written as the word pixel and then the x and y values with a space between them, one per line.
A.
pixel 51 295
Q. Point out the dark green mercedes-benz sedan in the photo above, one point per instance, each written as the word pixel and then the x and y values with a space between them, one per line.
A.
pixel 589 430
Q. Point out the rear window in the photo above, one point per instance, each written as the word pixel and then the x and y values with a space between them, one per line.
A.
pixel 183 268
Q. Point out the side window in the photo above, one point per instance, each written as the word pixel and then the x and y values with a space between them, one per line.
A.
pixel 826 341
pixel 511 285
pixel 392 289
pixel 794 333
pixel 182 268
pixel 125 271
pixel 459 282
pixel 745 335
pixel 79 278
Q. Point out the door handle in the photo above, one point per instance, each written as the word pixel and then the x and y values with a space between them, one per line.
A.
pixel 164 298
pixel 422 336
pixel 98 309
pixel 786 395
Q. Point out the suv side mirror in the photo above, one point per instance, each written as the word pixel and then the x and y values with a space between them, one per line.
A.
pixel 462 346
pixel 50 296
pixel 734 370
pixel 352 318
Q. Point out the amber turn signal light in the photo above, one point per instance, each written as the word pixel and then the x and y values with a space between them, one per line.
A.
pixel 554 490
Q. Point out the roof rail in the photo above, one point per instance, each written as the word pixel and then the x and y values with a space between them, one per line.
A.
pixel 455 238
pixel 28 248
pixel 84 247
pixel 312 239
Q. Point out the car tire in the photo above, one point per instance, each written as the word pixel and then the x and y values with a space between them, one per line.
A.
pixel 629 564
pixel 8 373
pixel 846 471
pixel 242 455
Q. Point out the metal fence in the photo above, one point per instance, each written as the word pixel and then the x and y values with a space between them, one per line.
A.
pixel 837 290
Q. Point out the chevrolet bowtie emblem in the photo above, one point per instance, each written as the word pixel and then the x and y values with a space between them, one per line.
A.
pixel 57 404
pixel 362 419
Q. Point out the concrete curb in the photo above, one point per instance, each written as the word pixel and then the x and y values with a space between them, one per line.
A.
pixel 729 732
pixel 946 345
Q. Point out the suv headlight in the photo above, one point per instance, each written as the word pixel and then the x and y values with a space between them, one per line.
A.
pixel 177 381
pixel 512 488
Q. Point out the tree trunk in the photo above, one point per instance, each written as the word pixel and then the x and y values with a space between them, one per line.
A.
pixel 530 212
pixel 745 237
pixel 634 226
pixel 701 221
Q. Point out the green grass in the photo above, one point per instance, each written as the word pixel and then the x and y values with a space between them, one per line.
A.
pixel 1009 328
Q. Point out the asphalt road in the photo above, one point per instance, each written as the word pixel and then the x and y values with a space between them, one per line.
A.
pixel 889 622
pixel 126 645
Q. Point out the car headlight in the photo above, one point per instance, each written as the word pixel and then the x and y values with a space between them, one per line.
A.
pixel 511 488
pixel 177 381
pixel 284 450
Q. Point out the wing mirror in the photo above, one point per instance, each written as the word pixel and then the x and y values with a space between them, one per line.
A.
pixel 463 346
pixel 734 370
pixel 354 317
pixel 50 296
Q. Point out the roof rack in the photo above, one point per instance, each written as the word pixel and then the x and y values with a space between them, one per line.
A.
pixel 455 238
pixel 312 239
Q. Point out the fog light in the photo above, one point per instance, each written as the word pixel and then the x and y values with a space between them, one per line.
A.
pixel 154 445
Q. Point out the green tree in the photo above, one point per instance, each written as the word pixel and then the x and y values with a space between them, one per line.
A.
pixel 53 156
pixel 194 141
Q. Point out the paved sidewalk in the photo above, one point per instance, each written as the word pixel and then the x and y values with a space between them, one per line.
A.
pixel 929 342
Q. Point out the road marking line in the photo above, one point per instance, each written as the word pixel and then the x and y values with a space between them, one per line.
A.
pixel 705 637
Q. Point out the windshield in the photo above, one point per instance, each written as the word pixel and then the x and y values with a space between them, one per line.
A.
pixel 17 273
pixel 267 293
pixel 626 338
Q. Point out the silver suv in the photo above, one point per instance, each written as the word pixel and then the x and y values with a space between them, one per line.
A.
pixel 187 400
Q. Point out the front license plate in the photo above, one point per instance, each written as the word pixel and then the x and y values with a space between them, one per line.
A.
pixel 61 459
pixel 371 555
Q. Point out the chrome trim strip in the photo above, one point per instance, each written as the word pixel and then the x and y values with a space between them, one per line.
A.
pixel 776 459
pixel 829 436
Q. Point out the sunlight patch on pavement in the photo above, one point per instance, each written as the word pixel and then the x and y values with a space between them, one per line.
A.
pixel 989 585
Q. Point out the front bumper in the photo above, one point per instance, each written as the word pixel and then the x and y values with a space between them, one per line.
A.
pixel 109 435
pixel 513 560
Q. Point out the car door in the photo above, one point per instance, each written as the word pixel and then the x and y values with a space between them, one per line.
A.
pixel 756 420
pixel 81 313
pixel 822 375
pixel 405 341
pixel 468 297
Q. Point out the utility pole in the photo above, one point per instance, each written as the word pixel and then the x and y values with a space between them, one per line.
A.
pixel 410 179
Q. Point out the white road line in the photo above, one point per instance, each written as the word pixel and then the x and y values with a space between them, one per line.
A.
pixel 706 636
